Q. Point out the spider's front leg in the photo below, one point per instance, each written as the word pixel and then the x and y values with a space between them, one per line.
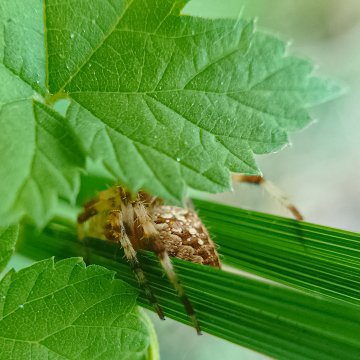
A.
pixel 151 241
pixel 115 231
pixel 94 208
pixel 272 190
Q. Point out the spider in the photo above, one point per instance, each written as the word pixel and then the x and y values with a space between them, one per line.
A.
pixel 143 222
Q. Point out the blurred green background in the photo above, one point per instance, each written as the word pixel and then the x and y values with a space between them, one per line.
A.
pixel 320 171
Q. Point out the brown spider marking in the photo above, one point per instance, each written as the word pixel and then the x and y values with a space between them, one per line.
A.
pixel 143 222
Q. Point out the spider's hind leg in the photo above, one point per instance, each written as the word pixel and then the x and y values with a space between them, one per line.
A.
pixel 272 190
pixel 152 242
pixel 115 231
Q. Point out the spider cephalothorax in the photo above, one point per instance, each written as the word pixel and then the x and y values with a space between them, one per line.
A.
pixel 143 222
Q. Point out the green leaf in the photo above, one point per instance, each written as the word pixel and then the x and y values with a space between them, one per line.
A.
pixel 40 157
pixel 64 310
pixel 8 238
pixel 166 101
pixel 285 322
pixel 169 101
pixel 22 43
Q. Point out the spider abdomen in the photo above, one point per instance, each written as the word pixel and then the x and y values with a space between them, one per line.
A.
pixel 184 235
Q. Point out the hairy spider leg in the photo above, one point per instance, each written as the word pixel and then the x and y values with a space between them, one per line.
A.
pixel 115 231
pixel 169 270
pixel 272 190
pixel 152 242
pixel 107 199
pixel 103 201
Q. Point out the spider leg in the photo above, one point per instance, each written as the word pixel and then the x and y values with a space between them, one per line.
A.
pixel 272 190
pixel 116 232
pixel 169 270
pixel 153 243
pixel 104 200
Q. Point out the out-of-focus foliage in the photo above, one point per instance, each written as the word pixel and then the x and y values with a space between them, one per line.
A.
pixel 8 237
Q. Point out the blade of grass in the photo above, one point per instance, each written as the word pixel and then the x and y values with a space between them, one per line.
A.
pixel 298 254
pixel 276 320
